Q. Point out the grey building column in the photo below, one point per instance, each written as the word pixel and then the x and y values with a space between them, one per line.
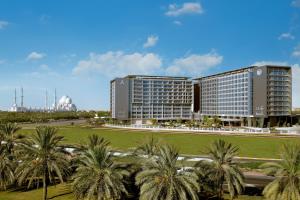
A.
pixel 181 112
pixel 242 121
pixel 249 121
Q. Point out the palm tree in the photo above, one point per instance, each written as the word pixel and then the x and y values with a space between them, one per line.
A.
pixel 161 179
pixel 6 169
pixel 8 135
pixel 223 169
pixel 92 141
pixel 95 140
pixel 42 159
pixel 7 142
pixel 98 177
pixel 206 183
pixel 286 185
pixel 149 148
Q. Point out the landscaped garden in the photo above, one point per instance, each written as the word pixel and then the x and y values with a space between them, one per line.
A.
pixel 187 143
pixel 34 164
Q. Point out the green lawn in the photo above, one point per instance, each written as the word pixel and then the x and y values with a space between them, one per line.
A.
pixel 187 143
pixel 59 192
pixel 62 192
pixel 121 139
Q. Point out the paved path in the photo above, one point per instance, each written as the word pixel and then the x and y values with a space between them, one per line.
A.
pixel 54 123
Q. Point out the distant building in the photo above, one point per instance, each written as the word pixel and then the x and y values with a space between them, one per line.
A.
pixel 65 104
pixel 141 98
pixel 245 96
pixel 15 107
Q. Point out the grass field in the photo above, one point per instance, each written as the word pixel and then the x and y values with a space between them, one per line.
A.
pixel 62 192
pixel 187 143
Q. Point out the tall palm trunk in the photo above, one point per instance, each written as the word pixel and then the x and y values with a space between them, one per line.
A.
pixel 220 192
pixel 220 184
pixel 45 188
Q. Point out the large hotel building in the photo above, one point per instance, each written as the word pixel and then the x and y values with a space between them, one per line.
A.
pixel 141 98
pixel 246 96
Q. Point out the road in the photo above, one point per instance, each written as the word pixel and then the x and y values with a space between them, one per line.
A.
pixel 55 123
pixel 258 180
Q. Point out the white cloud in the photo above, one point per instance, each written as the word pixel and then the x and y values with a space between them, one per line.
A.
pixel 186 8
pixel 117 63
pixel 296 3
pixel 178 23
pixel 2 62
pixel 262 63
pixel 296 52
pixel 194 64
pixel 286 36
pixel 151 41
pixel 35 56
pixel 296 85
pixel 3 24
pixel 44 67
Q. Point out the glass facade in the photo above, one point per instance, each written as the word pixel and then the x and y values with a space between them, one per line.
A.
pixel 231 93
pixel 227 94
pixel 112 99
pixel 247 92
pixel 160 98
pixel 279 95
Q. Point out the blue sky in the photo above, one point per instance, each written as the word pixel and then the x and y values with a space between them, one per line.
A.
pixel 79 46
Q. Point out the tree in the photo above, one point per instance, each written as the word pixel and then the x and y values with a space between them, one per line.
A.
pixel 98 177
pixel 207 184
pixel 161 179
pixel 190 123
pixel 42 159
pixel 286 185
pixel 154 121
pixel 96 140
pixel 179 121
pixel 6 169
pixel 7 143
pixel 217 121
pixel 8 136
pixel 149 148
pixel 207 121
pixel 223 169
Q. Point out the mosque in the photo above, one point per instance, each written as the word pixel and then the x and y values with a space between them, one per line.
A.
pixel 65 104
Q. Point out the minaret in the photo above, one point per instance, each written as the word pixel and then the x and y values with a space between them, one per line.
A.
pixel 46 101
pixel 22 97
pixel 15 100
pixel 55 100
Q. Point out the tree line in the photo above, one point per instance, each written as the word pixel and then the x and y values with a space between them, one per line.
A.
pixel 38 117
pixel 154 171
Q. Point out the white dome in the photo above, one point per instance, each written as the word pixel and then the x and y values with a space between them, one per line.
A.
pixel 62 100
pixel 65 104
pixel 68 100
